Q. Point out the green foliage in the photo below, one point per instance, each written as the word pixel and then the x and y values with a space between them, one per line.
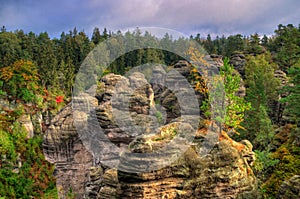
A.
pixel 24 173
pixel 7 147
pixel 286 46
pixel 288 166
pixel 51 194
pixel 264 130
pixel 10 48
pixel 261 90
pixel 2 93
pixel 293 90
pixel 236 106
pixel 264 161
pixel 159 117
pixel 235 43
pixel 231 108
pixel 21 81
pixel 254 47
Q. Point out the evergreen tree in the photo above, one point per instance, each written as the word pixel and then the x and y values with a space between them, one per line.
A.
pixel 46 60
pixel 261 90
pixel 10 48
pixel 227 107
pixel 96 37
pixel 286 46
pixel 235 105
pixel 293 89
pixel 254 47
pixel 265 41
pixel 208 45
pixel 234 43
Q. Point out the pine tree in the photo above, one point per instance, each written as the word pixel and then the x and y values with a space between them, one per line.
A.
pixel 235 105
pixel 96 37
pixel 293 89
pixel 261 90
pixel 227 109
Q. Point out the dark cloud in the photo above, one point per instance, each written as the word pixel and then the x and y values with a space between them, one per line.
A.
pixel 190 16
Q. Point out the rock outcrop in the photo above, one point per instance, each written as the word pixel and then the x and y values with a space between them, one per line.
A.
pixel 156 149
pixel 63 147
pixel 278 115
pixel 290 188
pixel 223 173
pixel 238 61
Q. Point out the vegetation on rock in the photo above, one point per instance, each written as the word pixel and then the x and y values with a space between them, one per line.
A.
pixel 37 74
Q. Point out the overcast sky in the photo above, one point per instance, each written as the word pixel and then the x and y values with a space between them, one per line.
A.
pixel 217 17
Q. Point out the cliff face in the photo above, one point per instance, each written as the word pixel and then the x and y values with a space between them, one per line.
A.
pixel 223 173
pixel 63 147
pixel 161 162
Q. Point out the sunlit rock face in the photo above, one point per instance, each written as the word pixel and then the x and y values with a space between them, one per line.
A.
pixel 162 160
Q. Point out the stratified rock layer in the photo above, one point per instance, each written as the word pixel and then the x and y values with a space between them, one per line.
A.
pixel 164 161
pixel 63 147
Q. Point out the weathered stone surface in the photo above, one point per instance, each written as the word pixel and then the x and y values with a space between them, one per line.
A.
pixel 170 90
pixel 290 188
pixel 63 147
pixel 160 161
pixel 223 173
pixel 124 103
pixel 239 61
pixel 25 120
pixel 278 114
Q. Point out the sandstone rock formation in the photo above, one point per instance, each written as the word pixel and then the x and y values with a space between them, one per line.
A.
pixel 290 188
pixel 238 61
pixel 164 158
pixel 278 115
pixel 63 147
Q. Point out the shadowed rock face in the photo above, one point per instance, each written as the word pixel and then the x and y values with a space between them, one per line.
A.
pixel 63 147
pixel 290 188
pixel 239 62
pixel 224 172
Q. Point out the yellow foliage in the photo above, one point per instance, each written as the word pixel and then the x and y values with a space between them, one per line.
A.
pixel 26 69
pixel 196 56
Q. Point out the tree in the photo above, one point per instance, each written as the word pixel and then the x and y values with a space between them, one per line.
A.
pixel 21 81
pixel 208 45
pixel 261 90
pixel 235 105
pixel 225 107
pixel 10 48
pixel 96 37
pixel 265 41
pixel 234 43
pixel 105 34
pixel 254 47
pixel 286 46
pixel 293 89
pixel 46 60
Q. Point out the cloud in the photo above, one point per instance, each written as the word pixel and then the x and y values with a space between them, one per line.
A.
pixel 190 16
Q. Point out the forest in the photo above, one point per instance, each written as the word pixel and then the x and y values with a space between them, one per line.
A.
pixel 38 73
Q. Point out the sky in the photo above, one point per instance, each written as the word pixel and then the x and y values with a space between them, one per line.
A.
pixel 215 17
